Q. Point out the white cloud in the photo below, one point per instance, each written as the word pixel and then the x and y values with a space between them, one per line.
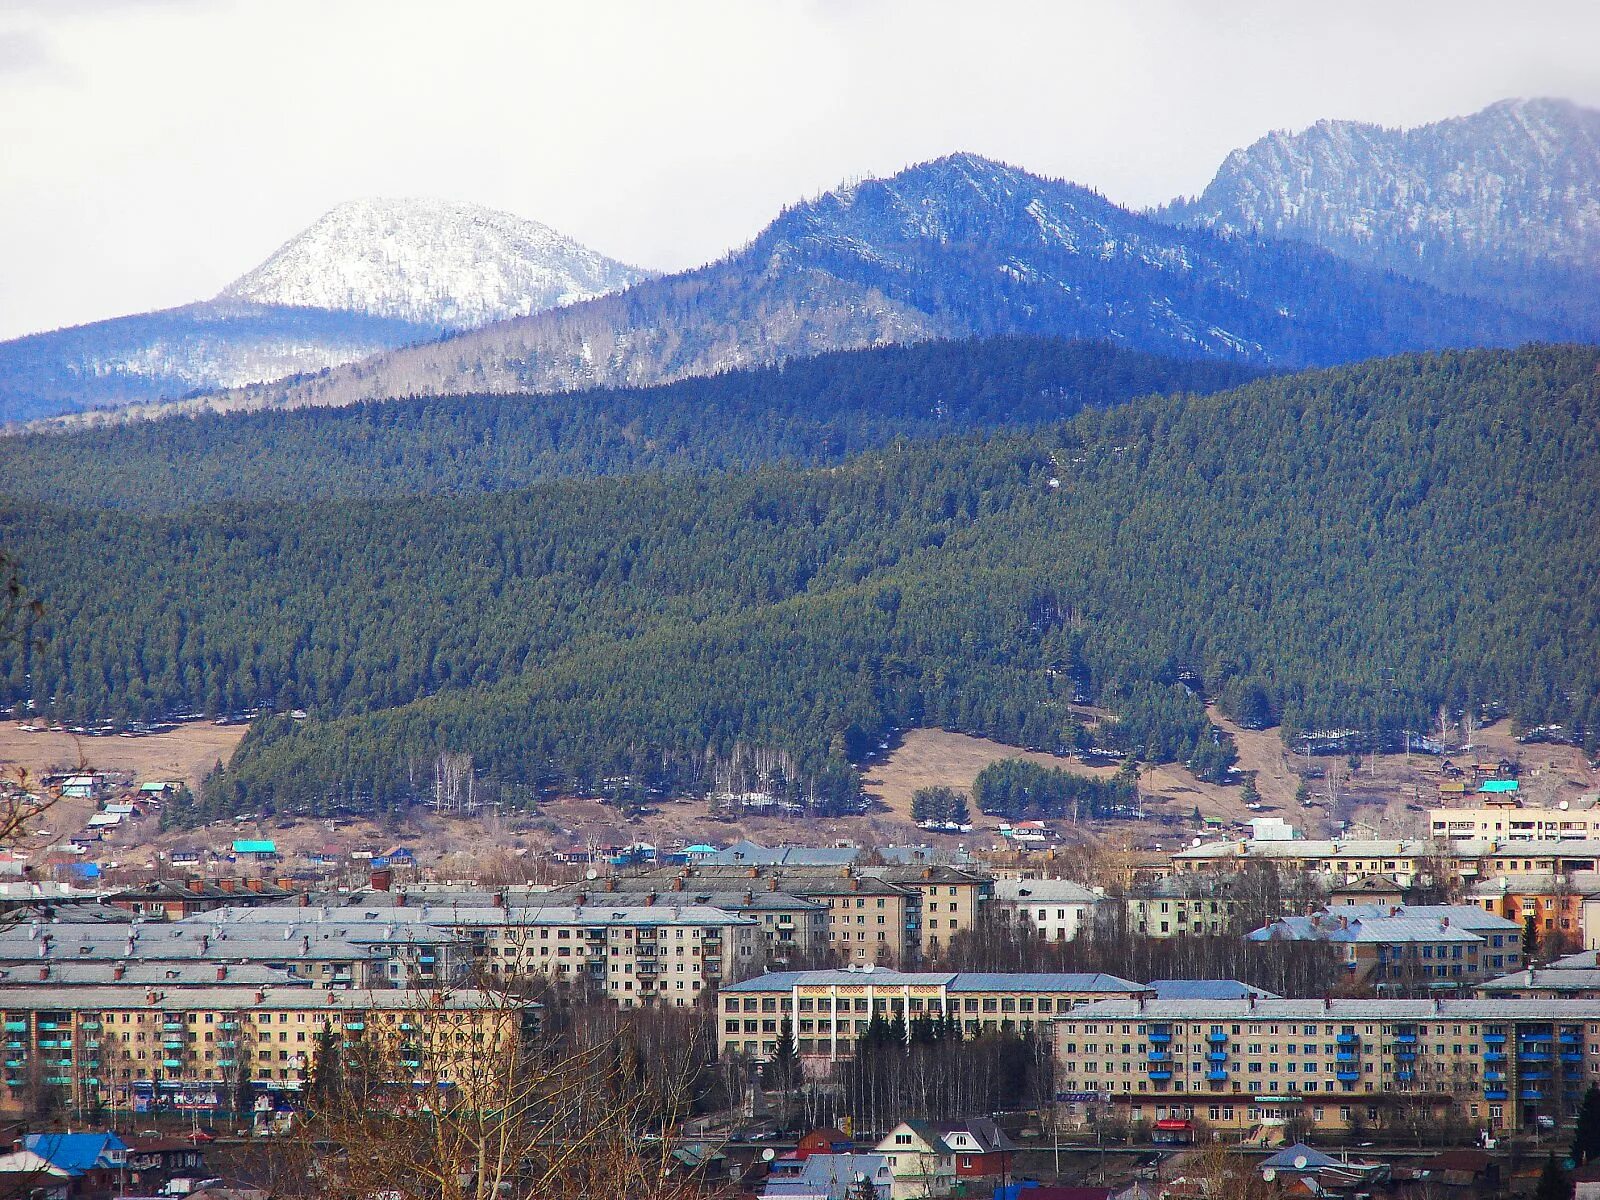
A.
pixel 173 144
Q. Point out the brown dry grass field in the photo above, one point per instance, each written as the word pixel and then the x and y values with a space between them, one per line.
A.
pixel 186 753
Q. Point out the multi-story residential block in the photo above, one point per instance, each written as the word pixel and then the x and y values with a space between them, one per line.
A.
pixel 174 899
pixel 1335 862
pixel 953 900
pixel 202 1048
pixel 1555 902
pixel 1339 1063
pixel 825 1011
pixel 1435 946
pixel 652 954
pixel 1508 821
pixel 1057 910
pixel 1181 905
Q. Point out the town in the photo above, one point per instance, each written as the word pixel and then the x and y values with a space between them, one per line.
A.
pixel 950 1022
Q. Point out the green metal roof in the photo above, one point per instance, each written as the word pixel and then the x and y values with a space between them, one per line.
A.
pixel 1499 785
pixel 255 846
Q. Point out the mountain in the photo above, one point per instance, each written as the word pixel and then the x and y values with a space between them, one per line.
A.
pixel 431 262
pixel 368 277
pixel 817 410
pixel 178 351
pixel 1503 203
pixel 958 247
pixel 1359 545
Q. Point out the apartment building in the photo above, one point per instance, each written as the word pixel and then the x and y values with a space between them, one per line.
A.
pixel 1334 861
pixel 652 954
pixel 1403 947
pixel 1180 905
pixel 1056 910
pixel 199 1048
pixel 1555 902
pixel 953 900
pixel 1509 821
pixel 825 1011
pixel 1338 1063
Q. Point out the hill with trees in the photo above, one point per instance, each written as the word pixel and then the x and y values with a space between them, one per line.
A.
pixel 1352 548
pixel 816 411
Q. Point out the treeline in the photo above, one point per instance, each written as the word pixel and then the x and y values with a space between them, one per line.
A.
pixel 1363 544
pixel 1021 790
pixel 815 411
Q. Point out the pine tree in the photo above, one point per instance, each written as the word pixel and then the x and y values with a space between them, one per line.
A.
pixel 1553 1182
pixel 1586 1134
pixel 1530 939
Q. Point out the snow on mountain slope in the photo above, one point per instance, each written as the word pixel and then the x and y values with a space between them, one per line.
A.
pixel 958 247
pixel 430 261
pixel 1503 202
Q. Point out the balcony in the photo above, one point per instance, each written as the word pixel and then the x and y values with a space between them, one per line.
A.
pixel 170 1026
pixel 230 1024
pixel 1408 1039
pixel 1160 1036
pixel 1494 1056
pixel 1572 1056
pixel 1571 1039
pixel 1347 1039
pixel 1495 1093
pixel 1494 1076
pixel 1158 1056
pixel 1407 1056
pixel 1530 1094
pixel 88 1024
pixel 1346 1056
pixel 1216 1038
pixel 172 1063
pixel 1535 1056
pixel 1347 1076
pixel 1217 1056
pixel 1161 1075
pixel 1405 1076
pixel 16 1027
pixel 1216 1076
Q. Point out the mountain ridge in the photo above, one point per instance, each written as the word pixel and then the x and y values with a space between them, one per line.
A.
pixel 957 247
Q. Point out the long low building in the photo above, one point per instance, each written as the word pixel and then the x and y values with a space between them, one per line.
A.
pixel 1340 1063
pixel 203 1049
pixel 825 1011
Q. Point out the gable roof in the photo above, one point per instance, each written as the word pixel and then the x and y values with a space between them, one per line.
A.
pixel 990 1137
pixel 76 1153
pixel 1300 1157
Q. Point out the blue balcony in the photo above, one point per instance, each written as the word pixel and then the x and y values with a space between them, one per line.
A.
pixel 1572 1056
pixel 1535 1076
pixel 1157 1035
pixel 1571 1039
pixel 1405 1076
pixel 1408 1038
pixel 1533 1056
pixel 1347 1039
pixel 1494 1076
pixel 1495 1039
pixel 1530 1094
pixel 1348 1076
pixel 1158 1056
pixel 1406 1056
pixel 1346 1056
pixel 1216 1038
pixel 1494 1056
pixel 1216 1076
pixel 1160 1075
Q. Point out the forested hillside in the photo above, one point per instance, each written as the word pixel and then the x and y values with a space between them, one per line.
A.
pixel 1360 544
pixel 955 248
pixel 811 411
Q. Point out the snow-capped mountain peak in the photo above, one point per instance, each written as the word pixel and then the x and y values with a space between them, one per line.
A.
pixel 430 261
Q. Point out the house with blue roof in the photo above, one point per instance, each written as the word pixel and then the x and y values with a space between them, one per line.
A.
pixel 68 1166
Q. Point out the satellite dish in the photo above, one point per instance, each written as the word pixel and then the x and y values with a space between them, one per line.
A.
pixel 1269 1173
pixel 1300 1161
pixel 1195 842
pixel 591 873
pixel 768 1154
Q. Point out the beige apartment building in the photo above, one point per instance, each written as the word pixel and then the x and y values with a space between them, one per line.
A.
pixel 1508 821
pixel 953 901
pixel 653 954
pixel 196 1048
pixel 1235 1063
pixel 825 1011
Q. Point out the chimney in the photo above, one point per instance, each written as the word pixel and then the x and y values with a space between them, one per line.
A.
pixel 927 872
pixel 649 899
pixel 253 884
pixel 772 883
pixel 260 996
pixel 150 998
pixel 611 883
pixel 44 973
pixel 118 971
pixel 284 882
pixel 501 899
pixel 1444 922
pixel 677 883
pixel 855 884
pixel 205 943
pixel 844 872
pixel 229 884
pixel 1252 1002
pixel 1141 1001
pixel 381 879
pixel 400 899
pixel 222 973
pixel 197 886
pixel 754 872
pixel 332 999
pixel 1327 1004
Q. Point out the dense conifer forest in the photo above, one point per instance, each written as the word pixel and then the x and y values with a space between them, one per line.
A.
pixel 1352 547
pixel 816 411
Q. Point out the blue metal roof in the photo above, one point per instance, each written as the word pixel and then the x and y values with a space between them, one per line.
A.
pixel 1207 989
pixel 75 1152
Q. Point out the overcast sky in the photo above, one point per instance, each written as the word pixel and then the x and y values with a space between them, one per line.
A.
pixel 152 150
